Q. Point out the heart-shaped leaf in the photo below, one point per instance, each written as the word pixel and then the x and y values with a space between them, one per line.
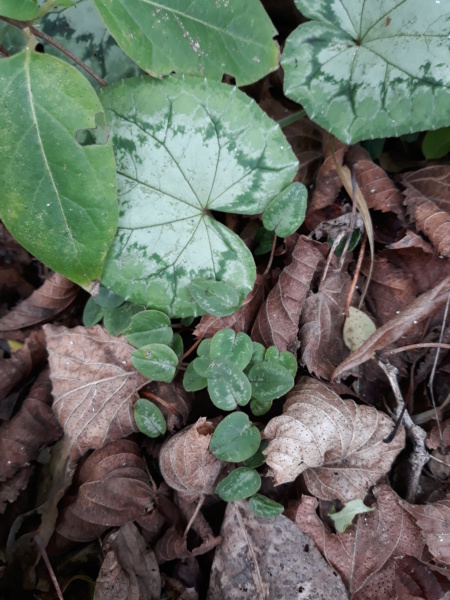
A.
pixel 286 212
pixel 215 297
pixel 269 381
pixel 371 69
pixel 192 381
pixel 235 347
pixel 235 438
pixel 265 507
pixel 227 385
pixel 149 327
pixel 239 484
pixel 155 361
pixel 211 39
pixel 149 418
pixel 184 147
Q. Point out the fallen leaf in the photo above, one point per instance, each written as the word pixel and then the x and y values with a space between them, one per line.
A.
pixel 277 320
pixel 416 581
pixel 94 385
pixel 336 444
pixel 269 559
pixel 171 546
pixel 412 240
pixel 433 182
pixel 175 590
pixel 328 183
pixel 434 439
pixel 10 490
pixel 366 554
pixel 417 311
pixel 129 570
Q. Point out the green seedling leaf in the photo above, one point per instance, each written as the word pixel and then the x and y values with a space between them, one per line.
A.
pixel 149 327
pixel 149 418
pixel 237 348
pixel 354 241
pixel 195 38
pixel 285 359
pixel 344 517
pixel 204 348
pixel 258 352
pixel 358 327
pixel 187 321
pixel 265 507
pixel 185 147
pixel 235 439
pixel 260 407
pixel 214 297
pixel 108 299
pixel 177 344
pixel 81 30
pixel 58 198
pixel 192 381
pixel 258 458
pixel 436 144
pixel 269 381
pixel 370 69
pixel 227 385
pixel 116 320
pixel 264 240
pixel 201 365
pixel 239 484
pixel 272 354
pixel 286 212
pixel 93 313
pixel 155 361
pixel 22 10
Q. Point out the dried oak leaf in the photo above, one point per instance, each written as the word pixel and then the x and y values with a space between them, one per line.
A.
pixel 113 488
pixel 44 304
pixel 422 307
pixel 321 324
pixel 336 444
pixel 277 320
pixel 269 559
pixel 129 570
pixel 94 385
pixel 416 581
pixel 366 554
pixel 434 523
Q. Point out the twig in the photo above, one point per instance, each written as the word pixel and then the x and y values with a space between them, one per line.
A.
pixel 419 456
pixel 272 252
pixel 415 347
pixel 50 40
pixel 43 551
pixel 356 274
pixel 160 401
pixel 194 516
pixel 191 349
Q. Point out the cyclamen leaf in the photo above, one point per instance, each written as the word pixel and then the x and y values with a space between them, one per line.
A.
pixel 269 381
pixel 184 147
pixel 235 347
pixel 116 320
pixel 265 507
pixel 107 298
pixel 286 212
pixel 192 381
pixel 235 438
pixel 155 361
pixel 23 10
pixel 241 483
pixel 58 198
pixel 149 418
pixel 227 385
pixel 197 38
pixel 214 297
pixel 370 69
pixel 149 327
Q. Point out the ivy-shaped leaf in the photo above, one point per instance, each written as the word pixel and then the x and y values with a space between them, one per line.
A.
pixel 196 38
pixel 371 69
pixel 185 147
pixel 235 438
pixel 57 198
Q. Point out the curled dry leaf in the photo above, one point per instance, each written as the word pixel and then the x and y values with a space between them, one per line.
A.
pixel 411 240
pixel 433 182
pixel 94 385
pixel 171 546
pixel 177 402
pixel 415 580
pixel 366 554
pixel 277 320
pixel 186 463
pixel 336 444
pixel 328 182
pixel 422 307
pixel 44 304
pixel 269 559
pixel 129 570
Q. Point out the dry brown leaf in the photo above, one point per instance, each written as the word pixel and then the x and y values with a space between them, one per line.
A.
pixel 434 523
pixel 174 396
pixel 424 306
pixel 94 385
pixel 44 304
pixel 277 321
pixel 171 546
pixel 175 590
pixel 113 488
pixel 129 570
pixel 186 463
pixel 411 240
pixel 365 555
pixel 434 439
pixel 268 559
pixel 321 323
pixel 10 490
pixel 429 218
pixel 433 182
pixel 416 581
pixel 200 525
pixel 328 183
pixel 336 444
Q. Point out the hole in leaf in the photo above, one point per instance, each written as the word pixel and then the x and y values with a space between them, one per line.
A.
pixel 96 136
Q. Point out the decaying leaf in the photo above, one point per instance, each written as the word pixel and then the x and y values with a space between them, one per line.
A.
pixel 414 580
pixel 94 385
pixel 328 182
pixel 277 320
pixel 366 554
pixel 269 559
pixel 336 444
pixel 186 463
pixel 433 182
pixel 358 327
pixel 177 402
pixel 129 570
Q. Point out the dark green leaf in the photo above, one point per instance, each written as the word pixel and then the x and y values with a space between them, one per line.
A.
pixel 285 359
pixel 149 327
pixel 269 381
pixel 204 348
pixel 239 484
pixel 149 418
pixel 155 361
pixel 236 348
pixel 201 365
pixel 93 313
pixel 107 298
pixel 116 320
pixel 192 381
pixel 235 439
pixel 260 407
pixel 436 144
pixel 286 212
pixel 227 385
pixel 258 458
pixel 215 297
pixel 354 241
pixel 265 507
pixel 264 240
pixel 177 344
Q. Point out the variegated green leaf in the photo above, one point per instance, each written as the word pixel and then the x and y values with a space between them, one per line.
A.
pixel 24 10
pixel 185 147
pixel 371 69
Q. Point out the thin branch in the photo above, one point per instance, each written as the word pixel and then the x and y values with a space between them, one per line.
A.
pixel 415 347
pixel 356 274
pixel 50 40
pixel 272 252
pixel 160 401
pixel 40 544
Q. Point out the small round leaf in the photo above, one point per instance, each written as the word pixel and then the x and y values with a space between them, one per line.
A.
pixel 265 507
pixel 269 381
pixel 116 320
pixel 177 344
pixel 108 299
pixel 155 361
pixel 192 381
pixel 258 459
pixel 204 348
pixel 260 407
pixel 149 327
pixel 227 385
pixel 201 365
pixel 236 348
pixel 215 297
pixel 93 313
pixel 149 418
pixel 286 212
pixel 235 438
pixel 239 484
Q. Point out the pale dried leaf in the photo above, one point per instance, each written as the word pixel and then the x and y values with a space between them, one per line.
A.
pixel 277 320
pixel 336 444
pixel 412 240
pixel 269 559
pixel 434 439
pixel 186 463
pixel 365 555
pixel 94 385
pixel 129 570
pixel 420 309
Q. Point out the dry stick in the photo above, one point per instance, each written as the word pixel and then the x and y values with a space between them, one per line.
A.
pixel 191 349
pixel 194 516
pixel 161 401
pixel 43 551
pixel 272 252
pixel 419 456
pixel 50 40
pixel 415 347
pixel 356 274
pixel 352 221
